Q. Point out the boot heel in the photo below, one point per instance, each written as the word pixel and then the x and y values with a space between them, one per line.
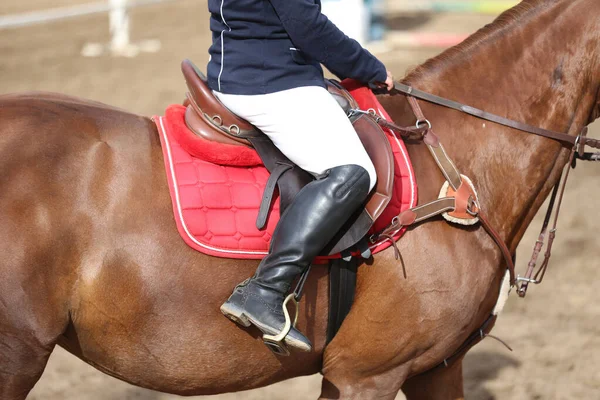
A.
pixel 235 314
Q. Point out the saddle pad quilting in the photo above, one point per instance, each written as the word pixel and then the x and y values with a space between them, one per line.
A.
pixel 216 206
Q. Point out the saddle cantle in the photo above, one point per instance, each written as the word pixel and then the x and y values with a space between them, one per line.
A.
pixel 209 119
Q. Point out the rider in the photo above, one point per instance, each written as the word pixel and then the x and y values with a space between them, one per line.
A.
pixel 265 67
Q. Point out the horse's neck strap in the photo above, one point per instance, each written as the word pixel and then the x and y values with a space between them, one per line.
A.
pixel 565 139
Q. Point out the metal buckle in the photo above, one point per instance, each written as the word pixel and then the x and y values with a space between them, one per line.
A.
pixel 218 121
pixel 472 204
pixel 394 224
pixel 355 111
pixel 423 121
pixel 234 130
pixel 275 343
pixel 528 280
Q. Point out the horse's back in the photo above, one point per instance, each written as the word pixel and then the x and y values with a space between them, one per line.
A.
pixel 61 162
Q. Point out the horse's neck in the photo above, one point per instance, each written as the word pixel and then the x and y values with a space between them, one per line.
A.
pixel 538 70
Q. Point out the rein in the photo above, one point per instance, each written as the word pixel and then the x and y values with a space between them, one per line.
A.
pixel 567 140
pixel 464 201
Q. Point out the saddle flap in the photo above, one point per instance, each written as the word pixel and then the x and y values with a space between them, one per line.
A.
pixel 379 149
pixel 341 95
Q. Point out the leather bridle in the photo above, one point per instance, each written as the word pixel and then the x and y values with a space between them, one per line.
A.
pixel 424 130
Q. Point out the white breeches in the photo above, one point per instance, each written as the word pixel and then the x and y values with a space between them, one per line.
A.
pixel 307 125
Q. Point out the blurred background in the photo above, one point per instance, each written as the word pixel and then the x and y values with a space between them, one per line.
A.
pixel 129 57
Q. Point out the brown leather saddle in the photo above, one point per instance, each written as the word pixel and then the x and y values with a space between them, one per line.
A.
pixel 207 117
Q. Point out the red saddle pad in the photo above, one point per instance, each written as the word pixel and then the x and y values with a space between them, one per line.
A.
pixel 216 206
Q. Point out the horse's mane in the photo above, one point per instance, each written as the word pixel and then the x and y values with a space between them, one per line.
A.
pixel 491 32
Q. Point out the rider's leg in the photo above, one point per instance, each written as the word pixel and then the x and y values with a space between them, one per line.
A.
pixel 312 130
pixel 307 125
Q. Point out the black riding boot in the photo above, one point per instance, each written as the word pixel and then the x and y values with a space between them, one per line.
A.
pixel 317 213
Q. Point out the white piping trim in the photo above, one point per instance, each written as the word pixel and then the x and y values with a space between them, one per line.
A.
pixel 222 44
pixel 178 203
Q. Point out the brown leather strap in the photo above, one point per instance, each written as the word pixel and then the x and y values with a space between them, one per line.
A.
pixel 436 149
pixel 568 140
pixel 446 165
pixel 409 132
pixel 471 341
pixel 508 258
pixel 539 244
pixel 413 216
pixel 557 193
pixel 405 132
pixel 438 207
pixel 265 204
pixel 432 209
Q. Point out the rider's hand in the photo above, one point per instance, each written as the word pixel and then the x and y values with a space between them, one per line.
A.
pixel 389 82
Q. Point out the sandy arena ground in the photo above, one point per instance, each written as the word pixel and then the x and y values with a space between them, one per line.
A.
pixel 555 331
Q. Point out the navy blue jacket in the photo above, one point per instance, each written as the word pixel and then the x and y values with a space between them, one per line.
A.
pixel 265 46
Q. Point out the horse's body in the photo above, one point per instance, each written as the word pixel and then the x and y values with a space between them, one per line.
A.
pixel 92 259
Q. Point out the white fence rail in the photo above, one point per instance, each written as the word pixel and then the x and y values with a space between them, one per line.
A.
pixel 55 14
pixel 119 24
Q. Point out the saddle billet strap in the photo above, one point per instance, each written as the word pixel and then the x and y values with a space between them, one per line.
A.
pixel 556 194
pixel 565 139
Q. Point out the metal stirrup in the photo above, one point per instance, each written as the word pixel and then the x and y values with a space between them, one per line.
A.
pixel 276 342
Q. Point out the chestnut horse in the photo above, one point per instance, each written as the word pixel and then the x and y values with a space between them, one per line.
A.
pixel 92 261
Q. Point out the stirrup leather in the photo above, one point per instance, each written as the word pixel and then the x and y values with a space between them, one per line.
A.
pixel 275 343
